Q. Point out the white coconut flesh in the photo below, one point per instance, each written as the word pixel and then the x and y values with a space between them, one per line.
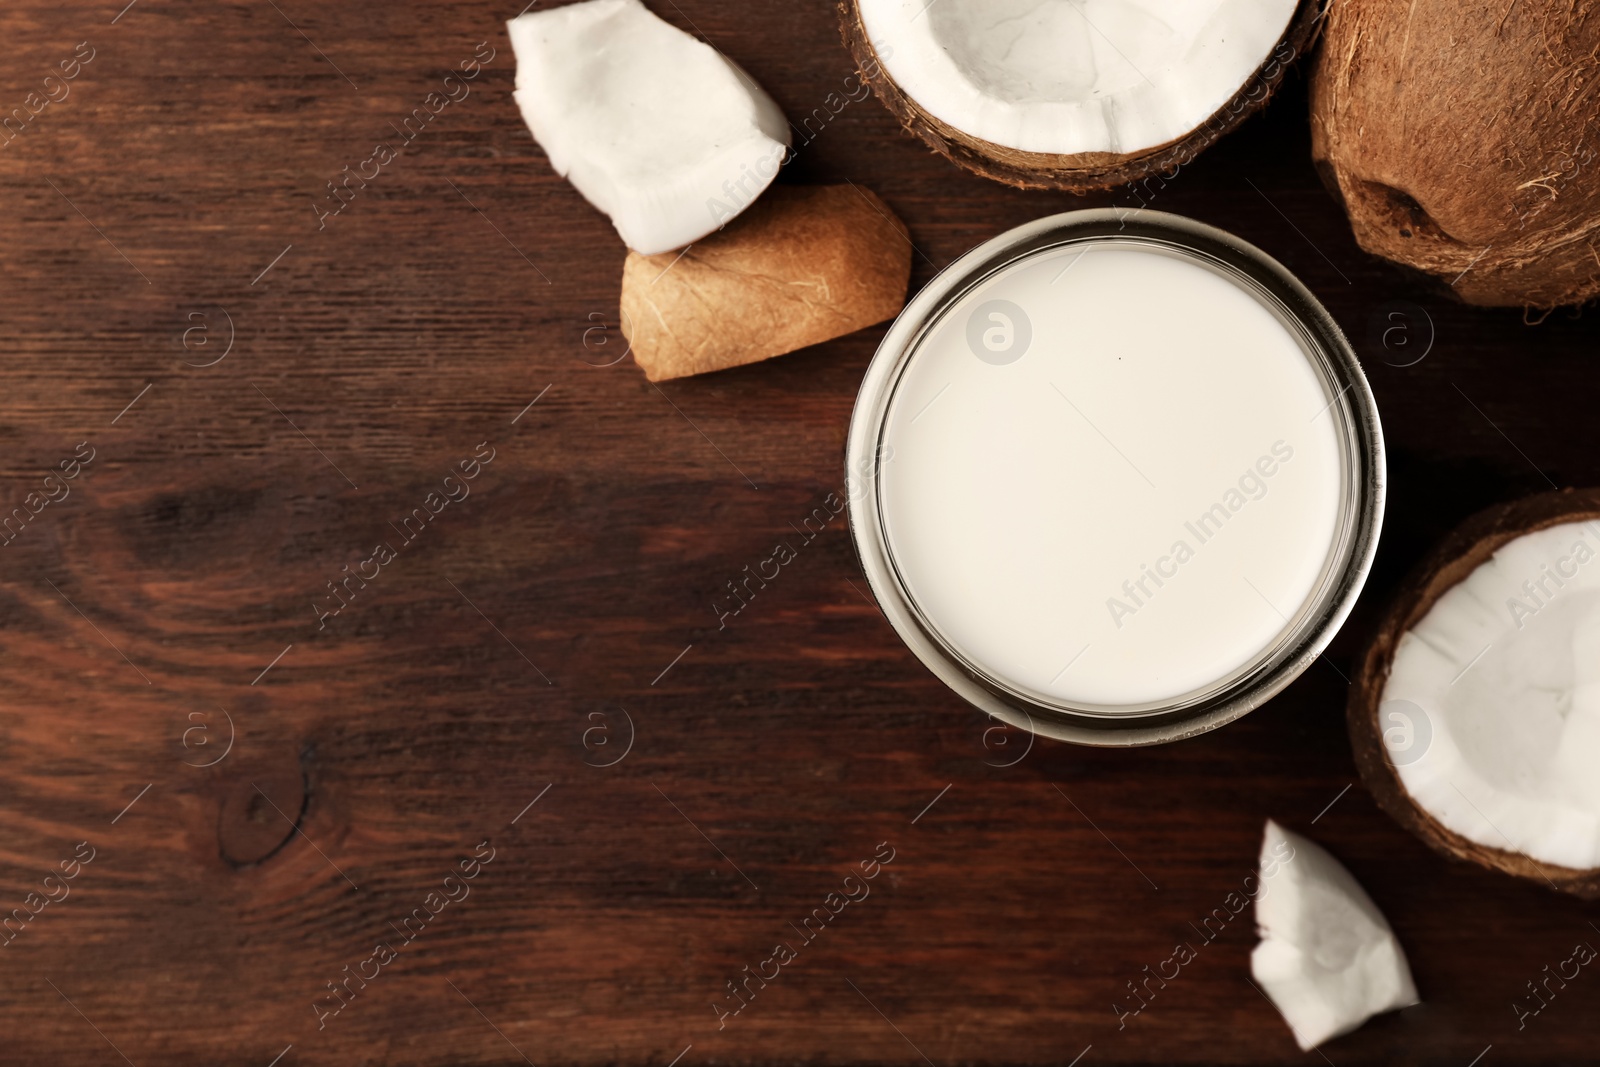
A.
pixel 1327 958
pixel 1491 712
pixel 1072 76
pixel 655 128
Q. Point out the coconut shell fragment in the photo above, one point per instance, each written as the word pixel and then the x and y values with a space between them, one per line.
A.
pixel 1470 546
pixel 1460 136
pixel 804 265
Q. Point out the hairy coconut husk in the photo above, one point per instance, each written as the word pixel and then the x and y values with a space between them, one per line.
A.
pixel 1083 172
pixel 1461 137
pixel 1465 549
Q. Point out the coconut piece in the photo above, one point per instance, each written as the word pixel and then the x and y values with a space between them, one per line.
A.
pixel 807 264
pixel 1475 718
pixel 655 128
pixel 1458 135
pixel 1074 94
pixel 1327 956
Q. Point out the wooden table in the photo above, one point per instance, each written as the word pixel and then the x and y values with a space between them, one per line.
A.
pixel 268 391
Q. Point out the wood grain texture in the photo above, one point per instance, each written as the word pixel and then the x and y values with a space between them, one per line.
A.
pixel 370 358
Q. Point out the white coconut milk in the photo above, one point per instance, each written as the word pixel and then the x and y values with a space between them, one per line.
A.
pixel 1111 475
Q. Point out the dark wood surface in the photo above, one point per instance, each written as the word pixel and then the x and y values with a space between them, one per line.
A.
pixel 490 658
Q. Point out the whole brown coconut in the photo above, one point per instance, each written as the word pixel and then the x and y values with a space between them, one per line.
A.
pixel 1465 549
pixel 1084 172
pixel 1460 135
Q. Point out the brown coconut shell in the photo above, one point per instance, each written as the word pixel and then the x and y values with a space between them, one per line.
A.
pixel 1465 549
pixel 1082 172
pixel 805 264
pixel 1459 135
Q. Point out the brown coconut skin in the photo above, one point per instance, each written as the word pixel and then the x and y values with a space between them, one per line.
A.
pixel 1465 549
pixel 1089 171
pixel 803 265
pixel 1460 136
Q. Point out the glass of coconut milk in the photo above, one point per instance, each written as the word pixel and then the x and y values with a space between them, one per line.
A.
pixel 1117 477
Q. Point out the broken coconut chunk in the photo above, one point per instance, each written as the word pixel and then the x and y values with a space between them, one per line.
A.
pixel 657 129
pixel 807 264
pixel 1327 957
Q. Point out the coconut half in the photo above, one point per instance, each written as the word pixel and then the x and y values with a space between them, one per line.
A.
pixel 1327 957
pixel 1476 716
pixel 1074 94
pixel 657 129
